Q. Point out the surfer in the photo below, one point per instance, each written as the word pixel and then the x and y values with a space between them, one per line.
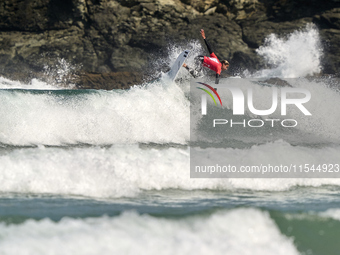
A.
pixel 211 62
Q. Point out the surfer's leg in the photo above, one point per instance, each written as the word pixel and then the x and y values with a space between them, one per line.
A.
pixel 192 71
pixel 196 71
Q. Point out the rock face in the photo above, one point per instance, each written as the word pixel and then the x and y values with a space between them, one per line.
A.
pixel 114 41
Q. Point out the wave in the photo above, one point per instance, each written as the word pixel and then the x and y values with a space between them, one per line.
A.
pixel 140 114
pixel 239 231
pixel 128 170
pixel 155 114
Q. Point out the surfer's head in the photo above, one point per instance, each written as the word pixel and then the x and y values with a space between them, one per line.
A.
pixel 225 64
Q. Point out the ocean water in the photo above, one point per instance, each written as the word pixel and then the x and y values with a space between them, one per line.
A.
pixel 108 172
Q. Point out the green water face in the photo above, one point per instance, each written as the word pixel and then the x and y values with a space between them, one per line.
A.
pixel 312 234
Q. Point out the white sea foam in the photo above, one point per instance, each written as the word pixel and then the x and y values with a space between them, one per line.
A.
pixel 96 172
pixel 153 114
pixel 127 170
pixel 239 231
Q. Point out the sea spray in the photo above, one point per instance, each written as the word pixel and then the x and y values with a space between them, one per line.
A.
pixel 61 75
pixel 295 55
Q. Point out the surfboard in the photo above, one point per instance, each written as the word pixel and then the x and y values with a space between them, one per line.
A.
pixel 171 75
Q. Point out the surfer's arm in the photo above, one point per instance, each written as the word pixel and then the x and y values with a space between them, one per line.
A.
pixel 206 42
pixel 217 80
pixel 208 46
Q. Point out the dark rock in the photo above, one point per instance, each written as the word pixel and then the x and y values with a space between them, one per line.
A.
pixel 331 60
pixel 116 80
pixel 329 19
pixel 289 10
pixel 254 33
pixel 242 61
pixel 125 36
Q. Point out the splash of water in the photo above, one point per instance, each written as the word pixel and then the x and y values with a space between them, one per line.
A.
pixel 296 55
pixel 62 74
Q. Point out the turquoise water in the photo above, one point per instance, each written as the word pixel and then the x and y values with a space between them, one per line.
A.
pixel 307 215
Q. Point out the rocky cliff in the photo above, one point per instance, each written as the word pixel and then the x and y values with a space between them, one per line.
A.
pixel 113 41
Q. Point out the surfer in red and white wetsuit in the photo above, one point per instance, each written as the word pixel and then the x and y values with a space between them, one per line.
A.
pixel 211 62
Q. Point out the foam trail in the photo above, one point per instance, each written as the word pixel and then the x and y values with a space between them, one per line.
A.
pixel 239 231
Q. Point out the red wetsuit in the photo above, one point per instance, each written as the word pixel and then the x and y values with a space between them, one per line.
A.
pixel 212 63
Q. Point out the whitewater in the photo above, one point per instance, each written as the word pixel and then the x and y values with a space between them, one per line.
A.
pixel 108 172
